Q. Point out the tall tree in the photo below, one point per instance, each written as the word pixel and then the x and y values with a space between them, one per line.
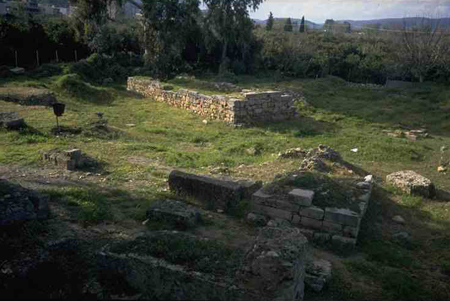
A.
pixel 329 25
pixel 270 21
pixel 227 20
pixel 302 25
pixel 288 26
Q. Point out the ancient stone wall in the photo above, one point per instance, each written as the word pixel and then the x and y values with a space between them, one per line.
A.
pixel 252 107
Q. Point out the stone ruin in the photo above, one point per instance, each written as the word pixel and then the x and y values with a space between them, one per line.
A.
pixel 28 96
pixel 69 160
pixel 412 183
pixel 251 107
pixel 11 121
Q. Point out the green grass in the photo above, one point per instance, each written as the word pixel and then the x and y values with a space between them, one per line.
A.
pixel 340 116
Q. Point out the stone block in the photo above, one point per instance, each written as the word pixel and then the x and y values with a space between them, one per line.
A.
pixel 332 227
pixel 296 219
pixel 412 183
pixel 318 273
pixel 216 193
pixel 312 212
pixel 272 212
pixel 342 216
pixel 343 241
pixel 276 263
pixel 311 223
pixel 11 121
pixel 257 219
pixel 301 197
pixel 70 160
pixel 176 213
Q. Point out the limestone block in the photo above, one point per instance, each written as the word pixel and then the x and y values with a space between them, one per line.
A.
pixel 342 216
pixel 311 223
pixel 312 212
pixel 301 197
pixel 412 183
pixel 272 212
pixel 332 227
pixel 176 213
pixel 340 240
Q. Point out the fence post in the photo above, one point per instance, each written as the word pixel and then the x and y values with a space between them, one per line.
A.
pixel 17 65
pixel 76 56
pixel 57 58
pixel 37 57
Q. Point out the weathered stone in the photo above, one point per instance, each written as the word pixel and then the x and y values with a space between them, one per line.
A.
pixel 332 227
pixel 317 274
pixel 279 222
pixel 18 204
pixel 301 197
pixel 70 160
pixel 145 274
pixel 28 97
pixel 402 238
pixel 272 212
pixel 218 194
pixel 311 223
pixel 412 183
pixel 342 216
pixel 343 241
pixel 11 121
pixel 256 107
pixel 398 219
pixel 257 219
pixel 312 212
pixel 276 263
pixel 176 213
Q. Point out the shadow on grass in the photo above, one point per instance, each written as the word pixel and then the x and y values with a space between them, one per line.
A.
pixel 300 127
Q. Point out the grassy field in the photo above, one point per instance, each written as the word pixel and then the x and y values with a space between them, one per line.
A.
pixel 144 140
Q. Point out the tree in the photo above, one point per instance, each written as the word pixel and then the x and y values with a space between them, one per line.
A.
pixel 270 21
pixel 422 48
pixel 329 25
pixel 302 24
pixel 347 27
pixel 228 21
pixel 288 26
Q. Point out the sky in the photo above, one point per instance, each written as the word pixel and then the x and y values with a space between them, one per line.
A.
pixel 319 10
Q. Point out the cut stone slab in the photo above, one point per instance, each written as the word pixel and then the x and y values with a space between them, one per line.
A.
pixel 18 204
pixel 11 121
pixel 70 159
pixel 176 213
pixel 342 216
pixel 301 197
pixel 398 219
pixel 28 96
pixel 218 194
pixel 276 263
pixel 318 274
pixel 412 183
pixel 311 223
pixel 272 212
pixel 312 212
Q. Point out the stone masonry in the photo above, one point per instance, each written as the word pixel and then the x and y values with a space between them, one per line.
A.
pixel 321 224
pixel 252 107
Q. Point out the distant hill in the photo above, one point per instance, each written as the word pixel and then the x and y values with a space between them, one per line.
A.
pixel 399 22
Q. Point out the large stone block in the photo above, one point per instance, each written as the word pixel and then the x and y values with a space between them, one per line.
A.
pixel 218 194
pixel 412 183
pixel 11 121
pixel 70 160
pixel 176 213
pixel 276 263
pixel 301 197
pixel 311 223
pixel 342 216
pixel 312 212
pixel 318 274
pixel 272 212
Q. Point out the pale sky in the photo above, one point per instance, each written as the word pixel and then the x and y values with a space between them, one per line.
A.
pixel 319 10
